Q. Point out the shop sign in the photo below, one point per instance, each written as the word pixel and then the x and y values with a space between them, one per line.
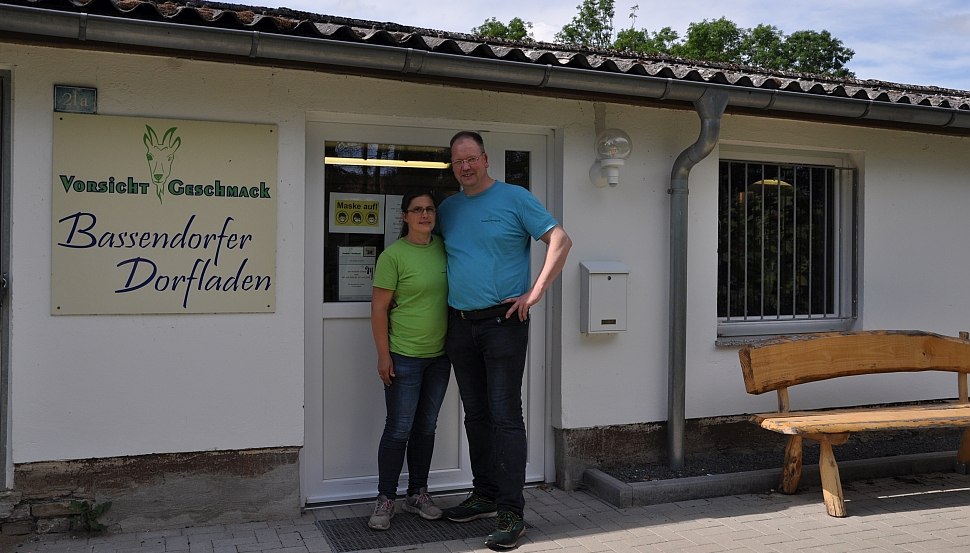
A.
pixel 162 216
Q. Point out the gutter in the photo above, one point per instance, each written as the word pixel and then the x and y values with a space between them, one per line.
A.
pixel 272 47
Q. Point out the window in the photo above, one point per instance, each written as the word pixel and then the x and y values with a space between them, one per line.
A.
pixel 786 248
pixel 365 184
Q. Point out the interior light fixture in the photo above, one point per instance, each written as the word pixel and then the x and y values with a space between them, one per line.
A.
pixel 329 160
pixel 770 182
pixel 612 147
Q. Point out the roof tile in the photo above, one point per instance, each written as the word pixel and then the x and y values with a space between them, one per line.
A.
pixel 292 22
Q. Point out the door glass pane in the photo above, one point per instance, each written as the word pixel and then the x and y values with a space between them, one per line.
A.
pixel 517 168
pixel 364 186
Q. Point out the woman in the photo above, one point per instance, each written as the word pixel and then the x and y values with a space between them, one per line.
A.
pixel 409 319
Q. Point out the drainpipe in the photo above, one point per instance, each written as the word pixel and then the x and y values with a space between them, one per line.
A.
pixel 710 108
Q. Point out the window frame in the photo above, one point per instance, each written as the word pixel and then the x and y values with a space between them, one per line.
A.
pixel 846 257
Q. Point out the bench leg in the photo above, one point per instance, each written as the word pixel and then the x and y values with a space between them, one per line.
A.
pixel 791 471
pixel 831 483
pixel 963 455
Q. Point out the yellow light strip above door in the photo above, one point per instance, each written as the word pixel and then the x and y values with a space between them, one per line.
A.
pixel 386 163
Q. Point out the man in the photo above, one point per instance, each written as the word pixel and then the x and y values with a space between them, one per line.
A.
pixel 488 228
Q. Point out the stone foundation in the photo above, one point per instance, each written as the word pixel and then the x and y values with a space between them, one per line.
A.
pixel 149 492
pixel 578 449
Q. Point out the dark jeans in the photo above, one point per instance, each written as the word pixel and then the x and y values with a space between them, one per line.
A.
pixel 489 360
pixel 413 400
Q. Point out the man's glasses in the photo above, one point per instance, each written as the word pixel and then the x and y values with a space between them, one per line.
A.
pixel 430 210
pixel 467 161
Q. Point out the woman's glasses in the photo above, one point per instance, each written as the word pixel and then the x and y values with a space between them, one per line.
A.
pixel 430 210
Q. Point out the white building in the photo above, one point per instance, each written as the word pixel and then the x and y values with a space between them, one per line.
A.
pixel 140 380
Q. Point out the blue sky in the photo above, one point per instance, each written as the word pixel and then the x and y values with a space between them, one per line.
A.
pixel 902 41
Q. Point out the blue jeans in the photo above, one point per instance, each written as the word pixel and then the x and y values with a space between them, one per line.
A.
pixel 489 360
pixel 413 400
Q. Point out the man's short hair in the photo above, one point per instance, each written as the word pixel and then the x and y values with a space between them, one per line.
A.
pixel 468 134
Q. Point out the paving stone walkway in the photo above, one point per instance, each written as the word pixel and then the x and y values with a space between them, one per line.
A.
pixel 926 513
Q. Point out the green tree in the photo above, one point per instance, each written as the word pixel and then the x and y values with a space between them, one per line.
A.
pixel 817 52
pixel 642 40
pixel 717 40
pixel 663 40
pixel 591 27
pixel 631 40
pixel 763 46
pixel 517 29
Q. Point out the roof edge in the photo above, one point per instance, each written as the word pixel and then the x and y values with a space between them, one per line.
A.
pixel 397 60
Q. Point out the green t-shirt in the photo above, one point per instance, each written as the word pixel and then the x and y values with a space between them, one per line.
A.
pixel 419 313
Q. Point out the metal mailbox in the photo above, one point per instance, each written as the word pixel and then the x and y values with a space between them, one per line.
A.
pixel 603 297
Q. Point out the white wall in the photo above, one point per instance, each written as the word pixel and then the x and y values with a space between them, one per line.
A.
pixel 102 386
pixel 99 386
pixel 914 192
pixel 621 378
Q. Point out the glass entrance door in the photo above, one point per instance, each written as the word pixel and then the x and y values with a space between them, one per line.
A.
pixel 356 175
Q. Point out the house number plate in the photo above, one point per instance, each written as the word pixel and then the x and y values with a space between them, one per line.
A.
pixel 75 99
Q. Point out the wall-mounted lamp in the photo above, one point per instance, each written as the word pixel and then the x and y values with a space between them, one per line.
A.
pixel 612 147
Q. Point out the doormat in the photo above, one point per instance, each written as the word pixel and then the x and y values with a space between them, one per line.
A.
pixel 352 534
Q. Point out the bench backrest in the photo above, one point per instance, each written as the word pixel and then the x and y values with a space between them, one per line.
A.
pixel 783 362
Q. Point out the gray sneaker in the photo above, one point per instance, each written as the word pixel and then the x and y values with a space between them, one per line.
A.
pixel 383 513
pixel 421 504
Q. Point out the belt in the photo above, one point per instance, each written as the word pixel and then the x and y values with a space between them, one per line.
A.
pixel 487 313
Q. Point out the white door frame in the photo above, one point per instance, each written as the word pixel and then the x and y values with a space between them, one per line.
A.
pixel 316 311
pixel 6 102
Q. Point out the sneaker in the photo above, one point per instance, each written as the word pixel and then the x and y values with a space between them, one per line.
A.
pixel 475 507
pixel 383 513
pixel 421 504
pixel 506 535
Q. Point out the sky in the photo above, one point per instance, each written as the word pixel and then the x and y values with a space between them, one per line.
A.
pixel 902 41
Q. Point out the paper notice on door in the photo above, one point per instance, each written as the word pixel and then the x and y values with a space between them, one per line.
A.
pixel 356 272
pixel 392 219
pixel 356 213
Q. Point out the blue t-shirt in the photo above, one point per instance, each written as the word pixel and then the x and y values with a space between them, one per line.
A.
pixel 487 238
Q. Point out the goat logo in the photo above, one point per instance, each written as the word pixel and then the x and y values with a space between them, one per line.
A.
pixel 161 155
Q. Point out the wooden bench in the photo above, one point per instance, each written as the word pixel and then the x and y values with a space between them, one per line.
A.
pixel 780 363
